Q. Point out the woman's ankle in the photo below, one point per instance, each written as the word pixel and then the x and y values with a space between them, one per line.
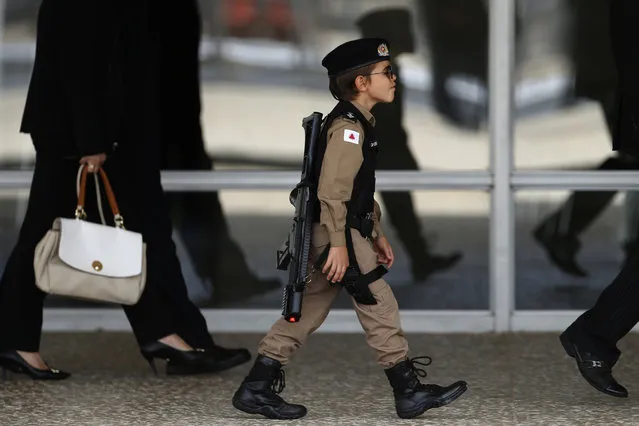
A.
pixel 176 342
pixel 33 359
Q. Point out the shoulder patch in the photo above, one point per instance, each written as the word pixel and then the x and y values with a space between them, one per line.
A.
pixel 351 136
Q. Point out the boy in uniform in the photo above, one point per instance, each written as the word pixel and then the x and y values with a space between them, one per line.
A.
pixel 348 234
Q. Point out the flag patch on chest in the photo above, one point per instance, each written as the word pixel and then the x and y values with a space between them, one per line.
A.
pixel 351 136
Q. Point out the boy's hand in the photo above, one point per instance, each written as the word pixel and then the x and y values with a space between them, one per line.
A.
pixel 384 251
pixel 336 264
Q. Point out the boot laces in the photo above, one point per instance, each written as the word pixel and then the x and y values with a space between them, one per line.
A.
pixel 279 383
pixel 423 361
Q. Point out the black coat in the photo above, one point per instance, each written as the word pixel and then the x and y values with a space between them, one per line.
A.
pixel 625 45
pixel 591 50
pixel 91 75
pixel 178 26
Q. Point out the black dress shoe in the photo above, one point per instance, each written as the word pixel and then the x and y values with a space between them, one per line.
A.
pixel 214 360
pixel 561 251
pixel 596 371
pixel 12 361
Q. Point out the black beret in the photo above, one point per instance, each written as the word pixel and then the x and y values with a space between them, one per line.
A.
pixel 356 54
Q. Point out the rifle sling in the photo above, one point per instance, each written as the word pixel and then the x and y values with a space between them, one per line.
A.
pixel 359 286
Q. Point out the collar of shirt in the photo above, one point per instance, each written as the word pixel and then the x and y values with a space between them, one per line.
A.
pixel 366 113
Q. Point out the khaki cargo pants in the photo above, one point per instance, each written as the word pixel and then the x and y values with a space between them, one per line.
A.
pixel 380 322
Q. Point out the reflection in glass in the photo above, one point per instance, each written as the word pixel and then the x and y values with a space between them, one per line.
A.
pixel 17 35
pixel 568 248
pixel 449 221
pixel 260 74
pixel 258 223
pixel 228 259
pixel 566 82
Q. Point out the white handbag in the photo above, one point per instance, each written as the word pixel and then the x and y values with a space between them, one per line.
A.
pixel 92 261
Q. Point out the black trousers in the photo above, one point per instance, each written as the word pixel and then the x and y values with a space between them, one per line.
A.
pixel 164 307
pixel 614 314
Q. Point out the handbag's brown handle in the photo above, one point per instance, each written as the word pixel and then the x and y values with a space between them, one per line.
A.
pixel 119 220
pixel 80 212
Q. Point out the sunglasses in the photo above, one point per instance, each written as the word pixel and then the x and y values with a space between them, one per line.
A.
pixel 388 72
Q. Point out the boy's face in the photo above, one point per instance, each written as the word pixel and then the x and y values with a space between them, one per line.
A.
pixel 381 85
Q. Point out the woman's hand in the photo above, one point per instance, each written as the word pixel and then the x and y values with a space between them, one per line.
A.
pixel 93 162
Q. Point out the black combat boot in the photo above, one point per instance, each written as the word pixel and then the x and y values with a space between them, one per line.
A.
pixel 259 391
pixel 412 398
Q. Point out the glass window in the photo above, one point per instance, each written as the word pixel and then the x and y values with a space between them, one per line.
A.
pixel 227 244
pixel 565 86
pixel 260 75
pixel 17 50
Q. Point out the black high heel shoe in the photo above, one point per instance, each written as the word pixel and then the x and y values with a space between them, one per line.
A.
pixel 189 360
pixel 12 361
pixel 221 358
pixel 196 361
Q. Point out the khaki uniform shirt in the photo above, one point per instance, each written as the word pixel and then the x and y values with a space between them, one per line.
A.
pixel 341 163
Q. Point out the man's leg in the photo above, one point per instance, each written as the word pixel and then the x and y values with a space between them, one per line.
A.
pixel 631 243
pixel 592 338
pixel 613 315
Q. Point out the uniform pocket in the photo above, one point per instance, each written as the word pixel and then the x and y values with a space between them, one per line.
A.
pixel 386 306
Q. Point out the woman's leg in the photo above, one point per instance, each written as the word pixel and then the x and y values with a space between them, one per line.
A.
pixel 52 195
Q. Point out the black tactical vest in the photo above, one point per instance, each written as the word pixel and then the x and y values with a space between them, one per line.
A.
pixel 361 205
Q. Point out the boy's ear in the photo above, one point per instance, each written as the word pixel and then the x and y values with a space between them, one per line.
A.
pixel 360 83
